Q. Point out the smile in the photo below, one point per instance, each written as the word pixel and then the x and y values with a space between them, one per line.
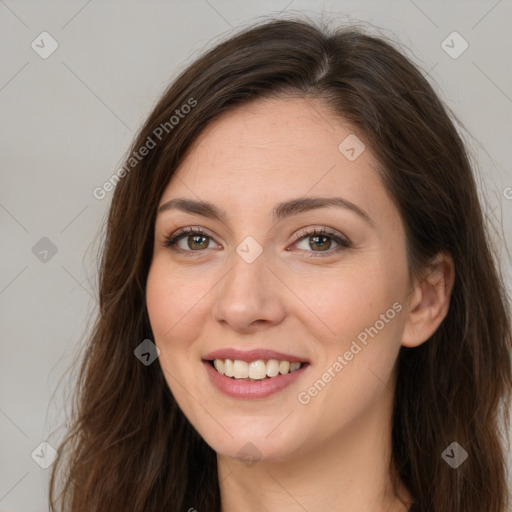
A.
pixel 254 370
pixel 233 377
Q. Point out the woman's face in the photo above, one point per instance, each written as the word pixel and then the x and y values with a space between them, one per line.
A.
pixel 258 282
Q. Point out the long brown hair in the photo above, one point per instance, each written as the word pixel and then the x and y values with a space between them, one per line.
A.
pixel 129 446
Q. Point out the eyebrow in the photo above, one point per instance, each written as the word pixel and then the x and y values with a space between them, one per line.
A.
pixel 279 212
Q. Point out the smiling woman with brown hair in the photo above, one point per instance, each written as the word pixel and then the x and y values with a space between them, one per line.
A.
pixel 304 244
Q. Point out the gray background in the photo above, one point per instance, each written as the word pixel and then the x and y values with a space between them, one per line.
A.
pixel 67 121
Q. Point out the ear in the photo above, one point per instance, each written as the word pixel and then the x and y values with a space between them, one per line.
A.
pixel 430 300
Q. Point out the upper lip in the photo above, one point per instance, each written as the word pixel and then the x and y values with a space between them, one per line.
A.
pixel 252 355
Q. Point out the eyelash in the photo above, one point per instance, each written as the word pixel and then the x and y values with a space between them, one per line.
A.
pixel 170 241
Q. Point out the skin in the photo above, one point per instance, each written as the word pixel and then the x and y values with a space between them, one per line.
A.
pixel 333 452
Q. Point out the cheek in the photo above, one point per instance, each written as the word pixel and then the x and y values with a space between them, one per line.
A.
pixel 160 301
pixel 354 373
pixel 362 310
pixel 174 308
pixel 174 305
pixel 350 299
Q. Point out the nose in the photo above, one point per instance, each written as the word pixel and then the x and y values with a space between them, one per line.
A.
pixel 249 297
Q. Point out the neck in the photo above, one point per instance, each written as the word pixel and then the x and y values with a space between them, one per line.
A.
pixel 349 472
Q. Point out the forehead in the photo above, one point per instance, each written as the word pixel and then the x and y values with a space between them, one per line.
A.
pixel 273 149
pixel 283 131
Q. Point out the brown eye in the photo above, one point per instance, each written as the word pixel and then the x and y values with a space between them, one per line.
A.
pixel 196 240
pixel 196 243
pixel 320 241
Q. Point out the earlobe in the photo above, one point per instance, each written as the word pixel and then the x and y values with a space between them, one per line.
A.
pixel 429 302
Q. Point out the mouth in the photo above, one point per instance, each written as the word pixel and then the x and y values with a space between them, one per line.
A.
pixel 257 370
pixel 255 378
pixel 255 373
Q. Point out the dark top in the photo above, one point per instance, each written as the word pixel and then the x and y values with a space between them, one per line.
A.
pixel 414 508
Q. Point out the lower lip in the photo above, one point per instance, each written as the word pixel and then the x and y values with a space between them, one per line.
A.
pixel 257 389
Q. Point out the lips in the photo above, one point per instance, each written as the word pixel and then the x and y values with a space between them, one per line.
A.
pixel 253 355
pixel 242 389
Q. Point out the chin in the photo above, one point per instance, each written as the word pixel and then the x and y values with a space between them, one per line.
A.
pixel 249 443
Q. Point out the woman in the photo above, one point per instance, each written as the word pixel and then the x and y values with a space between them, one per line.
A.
pixel 234 367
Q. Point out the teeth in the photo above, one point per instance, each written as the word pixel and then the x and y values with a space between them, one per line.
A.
pixel 219 365
pixel 255 370
pixel 241 369
pixel 272 368
pixel 284 367
pixel 294 366
pixel 229 368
